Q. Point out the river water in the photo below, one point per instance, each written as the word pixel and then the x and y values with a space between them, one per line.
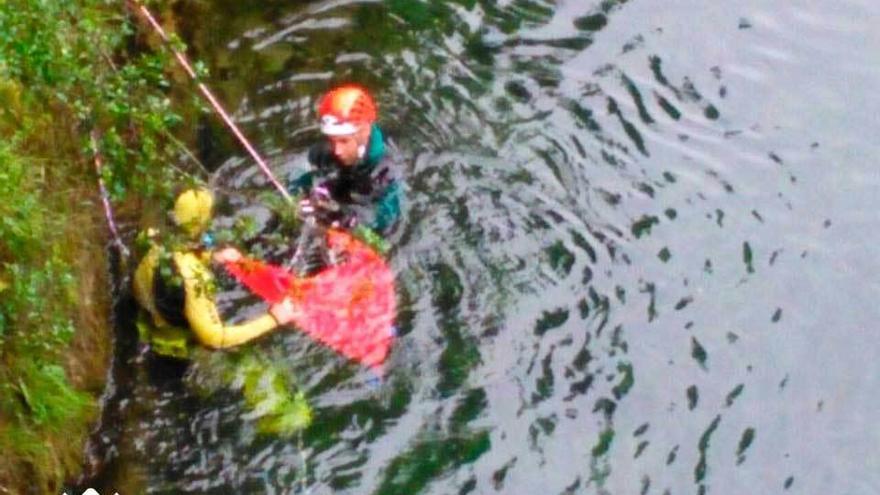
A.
pixel 638 254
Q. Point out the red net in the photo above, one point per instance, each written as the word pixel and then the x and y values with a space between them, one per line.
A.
pixel 349 307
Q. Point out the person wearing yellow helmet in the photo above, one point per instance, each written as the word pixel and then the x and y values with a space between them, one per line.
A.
pixel 354 166
pixel 176 286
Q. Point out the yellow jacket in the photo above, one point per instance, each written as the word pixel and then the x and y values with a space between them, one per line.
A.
pixel 200 309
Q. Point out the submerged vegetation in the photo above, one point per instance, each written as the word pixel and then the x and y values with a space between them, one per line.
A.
pixel 69 69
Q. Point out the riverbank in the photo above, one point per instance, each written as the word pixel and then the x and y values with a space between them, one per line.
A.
pixel 68 69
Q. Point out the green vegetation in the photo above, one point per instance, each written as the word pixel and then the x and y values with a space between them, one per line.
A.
pixel 270 392
pixel 267 392
pixel 68 68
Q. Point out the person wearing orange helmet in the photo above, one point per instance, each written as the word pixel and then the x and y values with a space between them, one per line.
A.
pixel 352 166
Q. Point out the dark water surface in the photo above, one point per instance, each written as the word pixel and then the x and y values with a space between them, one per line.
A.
pixel 639 254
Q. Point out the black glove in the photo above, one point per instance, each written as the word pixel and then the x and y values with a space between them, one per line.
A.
pixel 323 208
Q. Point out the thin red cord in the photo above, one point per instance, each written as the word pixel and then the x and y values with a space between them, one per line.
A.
pixel 105 197
pixel 181 58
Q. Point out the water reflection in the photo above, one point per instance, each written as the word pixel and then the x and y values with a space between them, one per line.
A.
pixel 611 208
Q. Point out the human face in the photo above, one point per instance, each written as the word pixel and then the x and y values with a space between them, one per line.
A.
pixel 348 149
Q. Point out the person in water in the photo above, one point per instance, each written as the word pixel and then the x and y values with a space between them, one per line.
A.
pixel 354 166
pixel 176 286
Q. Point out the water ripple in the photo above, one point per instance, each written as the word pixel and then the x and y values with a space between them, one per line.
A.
pixel 635 234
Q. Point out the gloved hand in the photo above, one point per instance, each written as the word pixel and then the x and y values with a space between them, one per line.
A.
pixel 227 255
pixel 322 207
pixel 284 312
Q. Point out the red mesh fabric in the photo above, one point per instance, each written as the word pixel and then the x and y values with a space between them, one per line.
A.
pixel 349 307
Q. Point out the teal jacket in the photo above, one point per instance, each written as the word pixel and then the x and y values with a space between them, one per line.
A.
pixel 370 192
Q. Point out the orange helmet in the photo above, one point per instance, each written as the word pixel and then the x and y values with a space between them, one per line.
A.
pixel 344 109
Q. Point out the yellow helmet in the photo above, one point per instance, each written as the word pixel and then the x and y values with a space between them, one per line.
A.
pixel 192 210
